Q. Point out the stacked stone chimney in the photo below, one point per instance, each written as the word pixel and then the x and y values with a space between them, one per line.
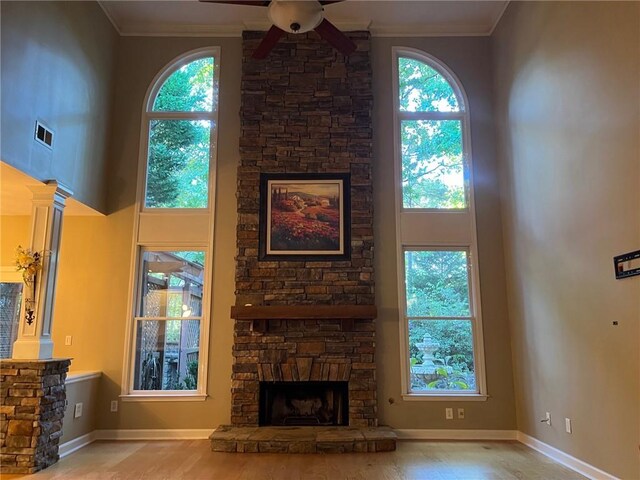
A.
pixel 305 109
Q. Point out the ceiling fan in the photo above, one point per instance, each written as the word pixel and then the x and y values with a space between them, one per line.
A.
pixel 296 16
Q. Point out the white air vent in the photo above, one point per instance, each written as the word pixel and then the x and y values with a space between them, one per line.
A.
pixel 44 135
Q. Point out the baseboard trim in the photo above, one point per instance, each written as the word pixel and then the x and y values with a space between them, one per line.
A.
pixel 565 459
pixel 67 448
pixel 451 434
pixel 154 434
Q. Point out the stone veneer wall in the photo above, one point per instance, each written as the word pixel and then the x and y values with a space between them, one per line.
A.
pixel 305 109
pixel 33 403
pixel 305 350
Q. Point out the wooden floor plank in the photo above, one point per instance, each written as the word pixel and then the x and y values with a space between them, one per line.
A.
pixel 193 460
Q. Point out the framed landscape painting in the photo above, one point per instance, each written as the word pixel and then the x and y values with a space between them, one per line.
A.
pixel 305 216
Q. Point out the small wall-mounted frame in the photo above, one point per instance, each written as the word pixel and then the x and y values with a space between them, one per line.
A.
pixel 627 265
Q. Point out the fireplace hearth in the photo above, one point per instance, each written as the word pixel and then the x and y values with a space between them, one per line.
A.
pixel 304 403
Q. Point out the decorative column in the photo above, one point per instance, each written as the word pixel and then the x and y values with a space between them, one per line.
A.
pixel 32 383
pixel 34 333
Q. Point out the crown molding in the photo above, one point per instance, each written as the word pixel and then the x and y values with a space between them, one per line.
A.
pixel 177 30
pixel 500 15
pixel 442 30
pixel 184 30
pixel 235 30
pixel 109 16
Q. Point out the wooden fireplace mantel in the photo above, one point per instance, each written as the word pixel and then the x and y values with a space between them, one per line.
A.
pixel 262 314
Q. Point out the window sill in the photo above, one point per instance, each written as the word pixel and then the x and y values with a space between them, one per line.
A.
pixel 172 397
pixel 424 397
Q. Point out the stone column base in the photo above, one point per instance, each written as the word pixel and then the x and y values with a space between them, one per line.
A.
pixel 33 404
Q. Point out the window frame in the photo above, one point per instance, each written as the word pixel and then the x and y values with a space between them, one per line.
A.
pixel 472 318
pixel 137 306
pixel 180 240
pixel 459 228
pixel 461 115
pixel 149 115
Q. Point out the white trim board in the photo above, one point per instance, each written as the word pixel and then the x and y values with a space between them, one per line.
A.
pixel 67 448
pixel 82 376
pixel 454 434
pixel 155 434
pixel 565 459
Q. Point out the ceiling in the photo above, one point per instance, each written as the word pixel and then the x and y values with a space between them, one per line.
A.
pixel 382 18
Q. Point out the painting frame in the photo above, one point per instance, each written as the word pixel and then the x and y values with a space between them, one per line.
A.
pixel 274 245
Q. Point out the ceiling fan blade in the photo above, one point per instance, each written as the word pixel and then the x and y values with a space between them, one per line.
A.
pixel 335 37
pixel 268 42
pixel 251 3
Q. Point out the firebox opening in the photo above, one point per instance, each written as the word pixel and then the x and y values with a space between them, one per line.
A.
pixel 304 403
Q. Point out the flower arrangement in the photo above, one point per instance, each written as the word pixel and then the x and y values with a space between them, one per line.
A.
pixel 28 262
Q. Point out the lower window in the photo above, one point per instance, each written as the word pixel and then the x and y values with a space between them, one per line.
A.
pixel 167 330
pixel 167 355
pixel 440 321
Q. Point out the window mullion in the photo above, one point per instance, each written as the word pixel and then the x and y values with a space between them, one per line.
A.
pixel 431 115
pixel 427 319
pixel 208 116
pixel 159 319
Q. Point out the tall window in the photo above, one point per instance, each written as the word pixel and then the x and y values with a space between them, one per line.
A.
pixel 439 284
pixel 171 273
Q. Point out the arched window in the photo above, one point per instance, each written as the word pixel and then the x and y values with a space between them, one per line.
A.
pixel 167 337
pixel 439 283
pixel 432 116
pixel 181 118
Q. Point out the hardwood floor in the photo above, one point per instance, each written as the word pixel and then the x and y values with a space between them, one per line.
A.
pixel 193 460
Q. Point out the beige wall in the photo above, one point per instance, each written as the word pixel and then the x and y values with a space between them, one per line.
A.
pixel 14 231
pixel 567 84
pixel 57 63
pixel 93 284
pixel 87 393
pixel 469 59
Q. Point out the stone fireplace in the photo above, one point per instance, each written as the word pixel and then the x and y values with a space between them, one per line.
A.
pixel 304 335
pixel 304 344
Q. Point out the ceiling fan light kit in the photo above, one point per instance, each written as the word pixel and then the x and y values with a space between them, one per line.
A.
pixel 296 16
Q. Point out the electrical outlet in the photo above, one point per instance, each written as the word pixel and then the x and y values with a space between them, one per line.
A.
pixel 68 340
pixel 114 405
pixel 448 413
pixel 547 418
pixel 461 413
pixel 567 425
pixel 77 413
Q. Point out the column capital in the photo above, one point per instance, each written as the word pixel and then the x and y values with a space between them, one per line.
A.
pixel 51 190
